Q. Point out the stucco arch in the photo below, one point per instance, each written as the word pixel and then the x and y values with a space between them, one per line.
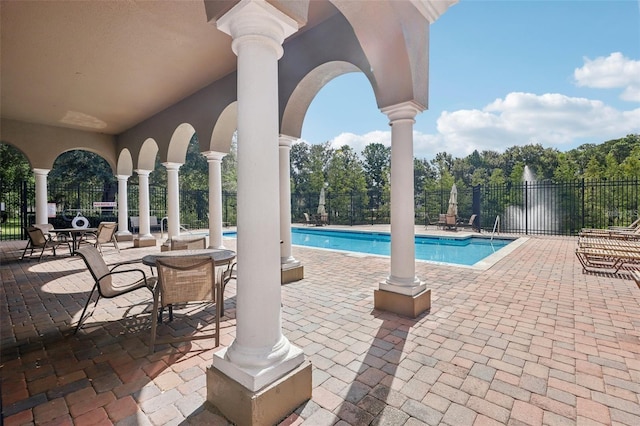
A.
pixel 224 129
pixel 395 39
pixel 179 143
pixel 306 90
pixel 147 155
pixel 125 163
pixel 99 153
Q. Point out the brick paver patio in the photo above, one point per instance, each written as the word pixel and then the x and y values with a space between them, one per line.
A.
pixel 529 341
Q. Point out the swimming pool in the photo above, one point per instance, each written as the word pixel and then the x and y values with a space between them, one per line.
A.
pixel 467 250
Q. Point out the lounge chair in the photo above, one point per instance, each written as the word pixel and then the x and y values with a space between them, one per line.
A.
pixel 109 282
pixel 636 277
pixel 38 240
pixel 428 221
pixel 442 220
pixel 182 280
pixel 307 219
pixel 183 243
pixel 471 224
pixel 606 259
pixel 632 227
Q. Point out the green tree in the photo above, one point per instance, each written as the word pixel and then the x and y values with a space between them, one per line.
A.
pixel 14 167
pixel 230 167
pixel 347 184
pixel 376 164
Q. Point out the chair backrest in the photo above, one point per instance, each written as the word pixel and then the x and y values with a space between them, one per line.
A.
pixel 178 243
pixel 36 236
pixel 46 227
pixel 442 218
pixel 187 279
pixel 99 270
pixel 105 232
pixel 472 219
pixel 306 217
pixel 450 219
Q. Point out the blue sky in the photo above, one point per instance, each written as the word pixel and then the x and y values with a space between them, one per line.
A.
pixel 505 73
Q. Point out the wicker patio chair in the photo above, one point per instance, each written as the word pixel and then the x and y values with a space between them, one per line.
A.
pixel 184 243
pixel 109 282
pixel 38 240
pixel 183 280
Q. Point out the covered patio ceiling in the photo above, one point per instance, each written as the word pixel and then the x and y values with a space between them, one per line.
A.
pixel 105 66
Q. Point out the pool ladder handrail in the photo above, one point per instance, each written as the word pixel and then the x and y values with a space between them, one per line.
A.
pixel 496 225
pixel 166 220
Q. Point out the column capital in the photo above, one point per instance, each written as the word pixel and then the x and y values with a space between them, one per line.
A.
pixel 257 20
pixel 41 172
pixel 402 111
pixel 143 172
pixel 123 177
pixel 286 141
pixel 172 166
pixel 214 155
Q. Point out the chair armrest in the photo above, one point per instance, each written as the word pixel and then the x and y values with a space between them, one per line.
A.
pixel 124 271
pixel 124 262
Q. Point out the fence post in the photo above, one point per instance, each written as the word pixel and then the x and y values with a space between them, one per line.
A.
pixel 351 210
pixel 23 207
pixel 583 203
pixel 526 207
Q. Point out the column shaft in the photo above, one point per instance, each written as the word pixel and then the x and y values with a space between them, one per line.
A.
pixel 173 199
pixel 286 257
pixel 41 195
pixel 214 159
pixel 123 206
pixel 143 208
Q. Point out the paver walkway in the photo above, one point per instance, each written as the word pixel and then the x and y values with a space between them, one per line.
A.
pixel 529 341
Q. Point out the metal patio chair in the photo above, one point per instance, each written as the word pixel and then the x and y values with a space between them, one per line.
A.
pixel 109 282
pixel 106 234
pixel 178 243
pixel 185 280
pixel 37 239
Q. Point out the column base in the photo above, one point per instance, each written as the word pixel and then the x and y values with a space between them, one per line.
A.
pixel 267 406
pixel 402 304
pixel 289 274
pixel 126 236
pixel 144 242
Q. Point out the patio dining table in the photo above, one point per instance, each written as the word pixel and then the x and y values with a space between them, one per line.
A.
pixel 221 257
pixel 76 235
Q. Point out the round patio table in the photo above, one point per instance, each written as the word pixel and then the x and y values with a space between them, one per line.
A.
pixel 219 256
pixel 76 235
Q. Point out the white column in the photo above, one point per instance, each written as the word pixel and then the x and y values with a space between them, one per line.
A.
pixel 286 258
pixel 214 159
pixel 123 206
pixel 260 353
pixel 143 199
pixel 41 195
pixel 173 199
pixel 402 278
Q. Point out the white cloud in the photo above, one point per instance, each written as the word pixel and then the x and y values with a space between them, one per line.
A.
pixel 358 142
pixel 614 71
pixel 552 119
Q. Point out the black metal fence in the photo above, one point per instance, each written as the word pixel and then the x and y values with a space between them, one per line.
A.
pixel 547 208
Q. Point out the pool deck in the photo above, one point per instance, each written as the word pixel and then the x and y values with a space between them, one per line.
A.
pixel 528 340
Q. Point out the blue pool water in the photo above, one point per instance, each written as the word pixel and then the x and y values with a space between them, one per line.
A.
pixel 461 251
